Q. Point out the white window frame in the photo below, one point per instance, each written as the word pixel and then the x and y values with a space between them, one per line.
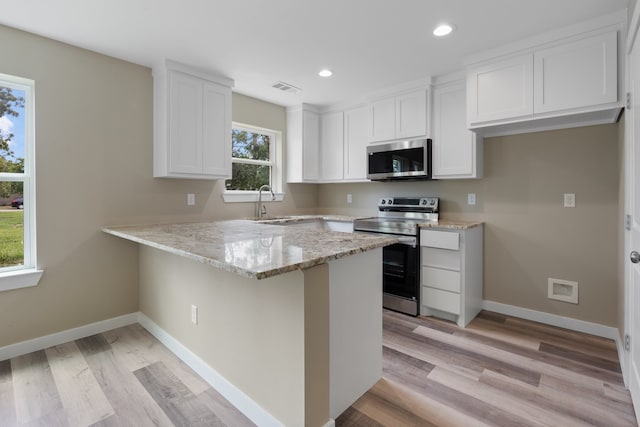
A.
pixel 27 274
pixel 275 161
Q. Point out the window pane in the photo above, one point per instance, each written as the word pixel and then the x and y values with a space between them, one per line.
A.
pixel 248 177
pixel 11 130
pixel 250 145
pixel 11 224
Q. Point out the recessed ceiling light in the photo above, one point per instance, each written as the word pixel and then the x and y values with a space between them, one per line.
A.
pixel 443 30
pixel 325 73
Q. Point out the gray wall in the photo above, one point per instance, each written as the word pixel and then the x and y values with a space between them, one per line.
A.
pixel 529 235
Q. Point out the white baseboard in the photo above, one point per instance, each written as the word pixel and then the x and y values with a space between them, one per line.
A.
pixel 40 343
pixel 244 403
pixel 553 319
pixel 622 353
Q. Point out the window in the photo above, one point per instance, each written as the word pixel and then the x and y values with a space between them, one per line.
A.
pixel 17 198
pixel 254 162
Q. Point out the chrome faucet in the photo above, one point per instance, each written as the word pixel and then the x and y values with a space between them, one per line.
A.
pixel 260 208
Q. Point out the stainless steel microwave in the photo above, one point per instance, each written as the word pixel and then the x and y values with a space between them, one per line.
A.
pixel 399 160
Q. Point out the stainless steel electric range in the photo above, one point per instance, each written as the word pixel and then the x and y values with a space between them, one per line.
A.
pixel 400 216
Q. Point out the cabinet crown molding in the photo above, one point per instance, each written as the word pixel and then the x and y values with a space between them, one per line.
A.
pixel 613 21
pixel 170 65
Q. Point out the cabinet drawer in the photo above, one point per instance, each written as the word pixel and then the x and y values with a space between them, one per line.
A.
pixel 440 239
pixel 441 300
pixel 442 258
pixel 446 280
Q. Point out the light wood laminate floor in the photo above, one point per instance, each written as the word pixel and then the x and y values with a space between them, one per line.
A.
pixel 499 371
pixel 124 377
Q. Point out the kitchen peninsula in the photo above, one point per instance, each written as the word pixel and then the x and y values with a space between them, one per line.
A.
pixel 289 320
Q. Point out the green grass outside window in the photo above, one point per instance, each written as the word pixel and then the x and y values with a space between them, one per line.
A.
pixel 11 238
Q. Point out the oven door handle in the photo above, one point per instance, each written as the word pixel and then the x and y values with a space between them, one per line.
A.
pixel 409 241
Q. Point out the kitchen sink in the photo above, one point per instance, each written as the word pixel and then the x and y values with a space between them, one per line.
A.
pixel 318 224
pixel 307 222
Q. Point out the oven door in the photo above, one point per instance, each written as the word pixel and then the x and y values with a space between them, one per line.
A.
pixel 400 281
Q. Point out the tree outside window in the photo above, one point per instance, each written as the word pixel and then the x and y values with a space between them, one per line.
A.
pixel 253 153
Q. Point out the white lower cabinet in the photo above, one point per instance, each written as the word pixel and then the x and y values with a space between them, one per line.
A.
pixel 451 273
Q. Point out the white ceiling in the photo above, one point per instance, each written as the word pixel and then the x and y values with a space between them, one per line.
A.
pixel 369 44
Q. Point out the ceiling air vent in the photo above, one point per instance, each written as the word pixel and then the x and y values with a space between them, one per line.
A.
pixel 286 87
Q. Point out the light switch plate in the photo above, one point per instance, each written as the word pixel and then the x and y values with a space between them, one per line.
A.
pixel 569 200
pixel 194 314
pixel 191 199
pixel 349 198
pixel 471 199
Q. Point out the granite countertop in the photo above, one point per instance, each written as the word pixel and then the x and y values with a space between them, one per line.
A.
pixel 253 249
pixel 450 224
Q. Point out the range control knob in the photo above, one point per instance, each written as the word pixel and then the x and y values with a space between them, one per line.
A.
pixel 390 201
pixel 424 201
pixel 383 202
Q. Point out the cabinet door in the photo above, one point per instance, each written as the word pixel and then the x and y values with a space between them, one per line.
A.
pixel 185 124
pixel 332 146
pixel 441 300
pixel 216 152
pixel 440 239
pixel 383 120
pixel 579 74
pixel 440 278
pixel 355 144
pixel 310 146
pixel 500 90
pixel 455 153
pixel 411 114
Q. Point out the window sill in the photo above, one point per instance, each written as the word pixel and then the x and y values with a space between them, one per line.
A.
pixel 19 279
pixel 249 196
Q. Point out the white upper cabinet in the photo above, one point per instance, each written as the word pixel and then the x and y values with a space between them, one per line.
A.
pixel 561 83
pixel 400 116
pixel 355 143
pixel 383 119
pixel 500 90
pixel 578 74
pixel 192 123
pixel 332 146
pixel 457 151
pixel 216 125
pixel 303 143
pixel 411 114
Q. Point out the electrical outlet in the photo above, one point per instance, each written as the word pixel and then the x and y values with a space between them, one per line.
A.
pixel 191 199
pixel 194 314
pixel 349 198
pixel 471 199
pixel 569 200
